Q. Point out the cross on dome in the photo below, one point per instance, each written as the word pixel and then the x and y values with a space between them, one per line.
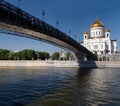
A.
pixel 97 23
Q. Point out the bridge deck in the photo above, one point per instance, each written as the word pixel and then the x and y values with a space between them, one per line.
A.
pixel 12 15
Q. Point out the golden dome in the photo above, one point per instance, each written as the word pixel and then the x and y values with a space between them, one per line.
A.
pixel 89 37
pixel 97 23
pixel 85 32
pixel 107 30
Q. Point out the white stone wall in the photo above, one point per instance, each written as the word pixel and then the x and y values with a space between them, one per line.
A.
pixel 101 45
pixel 114 46
pixel 98 45
pixel 70 64
pixel 38 63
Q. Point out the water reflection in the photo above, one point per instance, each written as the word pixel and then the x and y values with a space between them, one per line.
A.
pixel 87 88
pixel 59 86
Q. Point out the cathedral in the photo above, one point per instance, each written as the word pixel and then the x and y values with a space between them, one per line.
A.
pixel 99 41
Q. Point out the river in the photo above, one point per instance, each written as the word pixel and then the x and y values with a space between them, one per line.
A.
pixel 39 86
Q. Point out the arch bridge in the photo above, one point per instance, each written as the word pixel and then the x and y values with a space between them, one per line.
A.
pixel 15 21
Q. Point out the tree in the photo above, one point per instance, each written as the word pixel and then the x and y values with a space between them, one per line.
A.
pixel 39 55
pixel 45 55
pixel 31 55
pixel 26 55
pixel 55 56
pixel 11 55
pixel 23 55
pixel 4 54
pixel 67 55
pixel 42 55
pixel 19 55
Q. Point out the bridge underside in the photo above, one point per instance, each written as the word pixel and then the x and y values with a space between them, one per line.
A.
pixel 40 36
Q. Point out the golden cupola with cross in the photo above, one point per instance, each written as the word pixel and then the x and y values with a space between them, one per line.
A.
pixel 97 23
pixel 97 29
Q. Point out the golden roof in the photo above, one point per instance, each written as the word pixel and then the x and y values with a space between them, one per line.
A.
pixel 107 30
pixel 89 37
pixel 97 23
pixel 85 32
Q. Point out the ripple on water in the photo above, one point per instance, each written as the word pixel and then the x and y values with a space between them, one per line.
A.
pixel 59 87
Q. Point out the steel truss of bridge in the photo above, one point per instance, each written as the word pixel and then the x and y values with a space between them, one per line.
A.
pixel 15 21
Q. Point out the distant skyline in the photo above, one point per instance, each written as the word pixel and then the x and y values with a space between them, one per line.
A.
pixel 72 15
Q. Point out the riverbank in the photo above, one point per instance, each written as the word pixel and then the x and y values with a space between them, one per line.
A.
pixel 50 63
pixel 40 63
pixel 101 64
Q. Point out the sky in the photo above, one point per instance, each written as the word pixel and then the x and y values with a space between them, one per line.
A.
pixel 73 15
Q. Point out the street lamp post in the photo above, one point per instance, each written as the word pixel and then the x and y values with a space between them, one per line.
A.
pixel 75 36
pixel 37 55
pixel 19 3
pixel 10 55
pixel 57 23
pixel 69 32
pixel 43 14
pixel 79 39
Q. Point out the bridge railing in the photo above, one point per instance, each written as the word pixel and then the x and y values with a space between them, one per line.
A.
pixel 13 13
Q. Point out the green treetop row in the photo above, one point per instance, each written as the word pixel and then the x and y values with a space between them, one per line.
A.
pixel 30 55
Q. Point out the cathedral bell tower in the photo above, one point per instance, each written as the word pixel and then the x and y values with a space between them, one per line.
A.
pixel 85 35
pixel 107 33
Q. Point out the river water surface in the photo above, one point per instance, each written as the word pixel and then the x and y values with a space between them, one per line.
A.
pixel 36 86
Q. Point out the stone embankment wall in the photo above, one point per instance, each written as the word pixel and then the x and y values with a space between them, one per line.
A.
pixel 100 64
pixel 48 63
pixel 103 64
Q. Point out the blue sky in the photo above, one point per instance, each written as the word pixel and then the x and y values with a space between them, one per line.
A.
pixel 74 15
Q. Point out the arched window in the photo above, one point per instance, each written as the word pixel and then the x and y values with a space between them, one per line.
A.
pixel 99 32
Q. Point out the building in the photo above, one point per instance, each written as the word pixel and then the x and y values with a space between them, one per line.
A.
pixel 99 41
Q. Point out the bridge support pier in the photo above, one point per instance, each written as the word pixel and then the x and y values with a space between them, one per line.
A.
pixel 83 57
pixel 79 57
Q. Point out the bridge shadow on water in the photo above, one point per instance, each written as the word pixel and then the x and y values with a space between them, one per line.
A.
pixel 87 64
pixel 86 67
pixel 83 72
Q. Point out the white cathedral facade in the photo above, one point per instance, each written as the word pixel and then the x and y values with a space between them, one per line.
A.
pixel 99 41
